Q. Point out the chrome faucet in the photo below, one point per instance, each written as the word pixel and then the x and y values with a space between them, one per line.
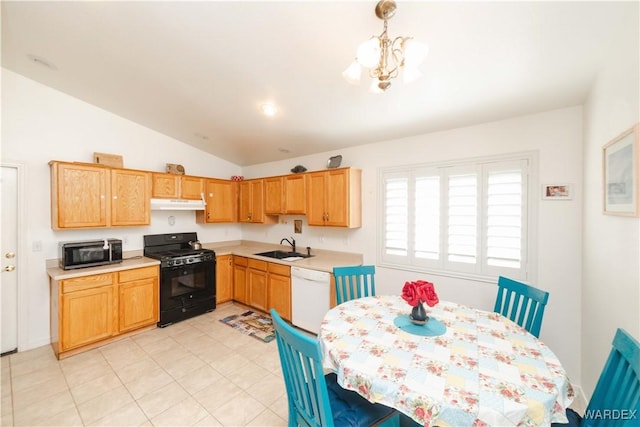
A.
pixel 292 242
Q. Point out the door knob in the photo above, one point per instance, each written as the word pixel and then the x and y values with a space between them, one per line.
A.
pixel 9 268
pixel 10 255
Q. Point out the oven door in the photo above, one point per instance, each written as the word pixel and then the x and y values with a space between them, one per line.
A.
pixel 186 290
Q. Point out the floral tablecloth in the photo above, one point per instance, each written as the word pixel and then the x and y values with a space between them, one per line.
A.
pixel 484 370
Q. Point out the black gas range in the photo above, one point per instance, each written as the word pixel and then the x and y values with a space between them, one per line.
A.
pixel 187 276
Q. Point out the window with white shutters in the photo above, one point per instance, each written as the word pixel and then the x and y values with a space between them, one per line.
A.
pixel 463 219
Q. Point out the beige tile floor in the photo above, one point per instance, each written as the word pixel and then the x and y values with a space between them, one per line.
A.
pixel 197 372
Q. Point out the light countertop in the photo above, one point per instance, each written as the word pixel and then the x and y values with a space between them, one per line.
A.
pixel 322 260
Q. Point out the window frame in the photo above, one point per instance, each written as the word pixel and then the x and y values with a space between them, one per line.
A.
pixel 486 273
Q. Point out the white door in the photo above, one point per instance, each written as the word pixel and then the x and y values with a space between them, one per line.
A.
pixel 8 252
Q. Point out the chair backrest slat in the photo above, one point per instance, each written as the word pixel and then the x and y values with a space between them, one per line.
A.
pixel 618 387
pixel 521 303
pixel 354 282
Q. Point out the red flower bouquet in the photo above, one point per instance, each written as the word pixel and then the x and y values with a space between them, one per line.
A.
pixel 418 292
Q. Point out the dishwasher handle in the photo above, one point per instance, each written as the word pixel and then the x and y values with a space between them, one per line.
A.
pixel 312 275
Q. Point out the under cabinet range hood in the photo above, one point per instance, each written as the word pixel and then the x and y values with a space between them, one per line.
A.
pixel 177 205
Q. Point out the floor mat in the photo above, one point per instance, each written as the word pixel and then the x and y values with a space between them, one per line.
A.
pixel 253 324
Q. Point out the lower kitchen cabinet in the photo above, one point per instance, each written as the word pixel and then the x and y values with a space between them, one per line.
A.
pixel 138 298
pixel 224 278
pixel 86 311
pixel 257 284
pixel 240 293
pixel 279 285
pixel 91 310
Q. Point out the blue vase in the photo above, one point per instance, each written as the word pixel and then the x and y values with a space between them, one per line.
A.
pixel 419 314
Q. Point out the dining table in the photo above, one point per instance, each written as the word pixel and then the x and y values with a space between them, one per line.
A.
pixel 463 367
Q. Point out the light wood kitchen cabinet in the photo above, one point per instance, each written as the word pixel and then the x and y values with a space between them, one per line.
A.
pixel 334 198
pixel 95 309
pixel 172 186
pixel 165 186
pixel 90 196
pixel 220 196
pixel 79 195
pixel 279 289
pixel 138 298
pixel 251 202
pixel 224 276
pixel 130 197
pixel 87 314
pixel 285 195
pixel 257 283
pixel 240 292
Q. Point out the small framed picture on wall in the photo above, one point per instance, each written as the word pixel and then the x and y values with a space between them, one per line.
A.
pixel 620 164
pixel 556 191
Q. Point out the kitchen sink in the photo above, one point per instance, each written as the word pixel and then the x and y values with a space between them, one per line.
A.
pixel 283 254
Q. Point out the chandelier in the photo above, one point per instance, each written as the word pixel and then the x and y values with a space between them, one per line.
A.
pixel 384 58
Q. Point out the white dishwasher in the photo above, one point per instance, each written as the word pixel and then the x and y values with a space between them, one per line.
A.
pixel 310 295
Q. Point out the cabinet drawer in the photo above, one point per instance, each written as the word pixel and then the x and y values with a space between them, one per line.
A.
pixel 283 270
pixel 137 274
pixel 258 265
pixel 240 260
pixel 86 282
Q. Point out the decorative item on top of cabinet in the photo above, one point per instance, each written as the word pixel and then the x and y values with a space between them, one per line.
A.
pixel 334 198
pixel 224 278
pixel 251 202
pixel 85 195
pixel 221 196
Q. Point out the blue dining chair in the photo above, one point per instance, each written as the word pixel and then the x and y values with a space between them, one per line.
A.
pixel 521 303
pixel 617 393
pixel 315 399
pixel 354 282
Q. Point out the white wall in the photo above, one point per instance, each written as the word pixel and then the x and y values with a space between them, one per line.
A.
pixel 555 135
pixel 611 251
pixel 40 124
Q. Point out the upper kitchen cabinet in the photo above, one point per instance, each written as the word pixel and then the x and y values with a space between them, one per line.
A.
pixel 334 198
pixel 251 202
pixel 172 186
pixel 130 194
pixel 90 196
pixel 220 196
pixel 285 195
pixel 79 196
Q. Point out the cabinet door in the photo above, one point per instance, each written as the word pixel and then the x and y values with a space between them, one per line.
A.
pixel 165 186
pixel 337 198
pixel 273 195
pixel 79 196
pixel 87 317
pixel 257 280
pixel 295 194
pixel 130 194
pixel 280 295
pixel 315 183
pixel 191 187
pixel 245 202
pixel 138 302
pixel 240 293
pixel 257 200
pixel 220 196
pixel 224 274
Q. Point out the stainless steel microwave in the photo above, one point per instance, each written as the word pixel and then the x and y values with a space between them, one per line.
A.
pixel 89 253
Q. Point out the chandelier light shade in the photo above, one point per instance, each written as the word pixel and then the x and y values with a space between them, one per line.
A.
pixel 384 58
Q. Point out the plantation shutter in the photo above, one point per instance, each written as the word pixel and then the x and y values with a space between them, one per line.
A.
pixel 396 215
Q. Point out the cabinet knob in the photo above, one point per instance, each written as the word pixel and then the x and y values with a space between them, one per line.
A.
pixel 9 268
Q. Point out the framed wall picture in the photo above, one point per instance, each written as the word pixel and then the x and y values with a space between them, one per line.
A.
pixel 556 192
pixel 620 164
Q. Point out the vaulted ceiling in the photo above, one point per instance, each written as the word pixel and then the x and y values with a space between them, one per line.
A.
pixel 199 71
